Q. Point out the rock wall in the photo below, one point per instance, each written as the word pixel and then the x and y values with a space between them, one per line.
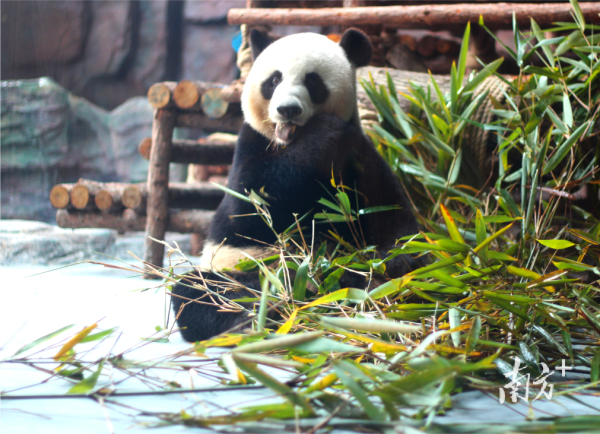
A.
pixel 110 51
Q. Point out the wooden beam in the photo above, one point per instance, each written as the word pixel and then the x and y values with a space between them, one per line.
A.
pixel 434 17
pixel 201 151
pixel 189 221
pixel 230 123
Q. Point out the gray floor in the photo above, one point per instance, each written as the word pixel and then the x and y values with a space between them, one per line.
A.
pixel 31 307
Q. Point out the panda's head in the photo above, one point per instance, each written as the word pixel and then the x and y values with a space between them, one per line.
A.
pixel 299 76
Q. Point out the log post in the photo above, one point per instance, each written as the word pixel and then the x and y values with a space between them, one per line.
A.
pixel 158 186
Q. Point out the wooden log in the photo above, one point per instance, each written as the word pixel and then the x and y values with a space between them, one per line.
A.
pixel 202 195
pixel 434 17
pixel 189 221
pixel 233 92
pixel 409 41
pixel 60 195
pixel 160 95
pixel 187 93
pixel 108 199
pixel 134 197
pixel 83 194
pixel 144 147
pixel 201 151
pixel 198 195
pixel 447 46
pixel 158 185
pixel 230 123
pixel 426 46
pixel 213 105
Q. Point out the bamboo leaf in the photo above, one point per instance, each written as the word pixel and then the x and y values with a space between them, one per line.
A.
pixel 451 225
pixel 278 342
pixel 286 327
pixel 563 149
pixel 556 244
pixel 273 384
pixel 74 341
pixel 359 393
pixel 87 384
pixel 389 287
pixel 42 339
pixel 372 325
pixel 473 335
pixel 462 58
pixel 300 281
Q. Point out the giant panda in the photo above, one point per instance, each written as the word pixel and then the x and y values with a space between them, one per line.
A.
pixel 301 128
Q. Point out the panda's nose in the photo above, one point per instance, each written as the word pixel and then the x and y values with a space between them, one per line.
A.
pixel 289 111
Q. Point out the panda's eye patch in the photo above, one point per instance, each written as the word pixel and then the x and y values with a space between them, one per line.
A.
pixel 316 88
pixel 268 86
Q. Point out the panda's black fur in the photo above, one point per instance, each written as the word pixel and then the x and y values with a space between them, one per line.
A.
pixel 295 177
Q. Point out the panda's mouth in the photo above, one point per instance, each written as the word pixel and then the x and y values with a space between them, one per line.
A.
pixel 284 132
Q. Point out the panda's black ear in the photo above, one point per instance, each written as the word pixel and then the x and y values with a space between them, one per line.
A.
pixel 357 46
pixel 258 42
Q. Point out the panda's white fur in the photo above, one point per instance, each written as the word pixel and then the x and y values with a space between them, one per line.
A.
pixel 295 56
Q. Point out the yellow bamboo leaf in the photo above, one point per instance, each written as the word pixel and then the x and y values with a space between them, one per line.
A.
pixel 74 341
pixel 321 384
pixel 451 225
pixel 225 341
pixel 285 328
pixel 303 359
pixel 334 296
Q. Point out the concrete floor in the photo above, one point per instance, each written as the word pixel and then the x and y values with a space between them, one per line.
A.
pixel 33 306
